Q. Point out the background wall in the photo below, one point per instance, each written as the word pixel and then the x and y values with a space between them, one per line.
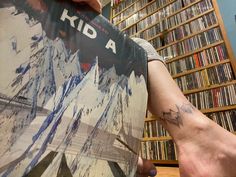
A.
pixel 228 12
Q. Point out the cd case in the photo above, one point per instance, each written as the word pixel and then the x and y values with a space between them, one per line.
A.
pixel 73 92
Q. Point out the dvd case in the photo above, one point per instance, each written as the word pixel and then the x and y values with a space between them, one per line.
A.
pixel 72 92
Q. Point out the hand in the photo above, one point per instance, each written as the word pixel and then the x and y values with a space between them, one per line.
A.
pixel 39 5
pixel 145 168
pixel 95 4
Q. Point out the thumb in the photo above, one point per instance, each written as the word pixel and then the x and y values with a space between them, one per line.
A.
pixel 146 168
pixel 95 4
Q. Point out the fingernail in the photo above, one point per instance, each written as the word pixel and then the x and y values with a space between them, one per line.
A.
pixel 153 173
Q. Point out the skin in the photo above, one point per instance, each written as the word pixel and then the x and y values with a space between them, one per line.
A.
pixel 204 148
pixel 40 6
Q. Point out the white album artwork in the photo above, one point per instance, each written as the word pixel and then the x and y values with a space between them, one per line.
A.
pixel 72 93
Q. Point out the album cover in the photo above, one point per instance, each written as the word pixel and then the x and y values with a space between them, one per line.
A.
pixel 72 92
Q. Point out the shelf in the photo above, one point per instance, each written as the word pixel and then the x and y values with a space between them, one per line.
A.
pixel 162 138
pixel 167 162
pixel 209 88
pixel 124 9
pixel 195 51
pixel 174 27
pixel 148 15
pixel 205 111
pixel 200 68
pixel 178 11
pixel 218 109
pixel 183 55
pixel 136 12
pixel 187 37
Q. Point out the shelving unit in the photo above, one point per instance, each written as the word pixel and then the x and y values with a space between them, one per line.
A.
pixel 191 37
pixel 165 162
pixel 157 138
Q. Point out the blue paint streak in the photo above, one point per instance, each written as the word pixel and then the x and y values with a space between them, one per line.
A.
pixel 22 70
pixel 67 88
pixel 100 123
pixel 56 115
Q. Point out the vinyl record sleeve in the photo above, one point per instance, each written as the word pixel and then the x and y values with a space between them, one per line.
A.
pixel 72 92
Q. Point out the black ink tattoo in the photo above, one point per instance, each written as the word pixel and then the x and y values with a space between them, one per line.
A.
pixel 186 108
pixel 174 117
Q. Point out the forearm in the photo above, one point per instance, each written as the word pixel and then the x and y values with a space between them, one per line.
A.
pixel 167 102
pixel 203 147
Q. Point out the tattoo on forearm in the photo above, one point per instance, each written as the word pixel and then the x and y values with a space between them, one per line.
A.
pixel 175 116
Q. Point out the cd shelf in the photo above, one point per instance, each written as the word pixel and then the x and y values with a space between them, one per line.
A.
pixel 191 37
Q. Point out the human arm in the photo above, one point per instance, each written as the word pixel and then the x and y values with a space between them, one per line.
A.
pixel 204 148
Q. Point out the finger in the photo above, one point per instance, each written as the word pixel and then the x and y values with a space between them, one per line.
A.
pixel 37 5
pixel 145 168
pixel 95 4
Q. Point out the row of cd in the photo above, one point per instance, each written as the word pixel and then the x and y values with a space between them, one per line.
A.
pixel 204 78
pixel 189 45
pixel 167 22
pixel 145 14
pixel 154 129
pixel 151 6
pixel 180 17
pixel 200 59
pixel 225 119
pixel 213 98
pixel 119 5
pixel 129 11
pixel 180 32
pixel 148 31
pixel 158 150
pixel 161 14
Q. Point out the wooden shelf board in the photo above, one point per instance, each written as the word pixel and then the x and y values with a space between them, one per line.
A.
pixel 200 68
pixel 211 110
pixel 218 109
pixel 162 138
pixel 210 87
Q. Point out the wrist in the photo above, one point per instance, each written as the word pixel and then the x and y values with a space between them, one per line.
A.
pixel 194 128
